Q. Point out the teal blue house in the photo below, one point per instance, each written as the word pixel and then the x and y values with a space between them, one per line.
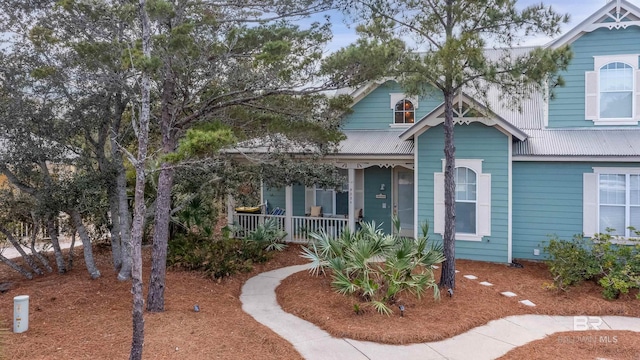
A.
pixel 561 166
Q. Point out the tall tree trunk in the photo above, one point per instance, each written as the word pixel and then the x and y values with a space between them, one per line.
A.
pixel 32 246
pixel 86 245
pixel 57 251
pixel 16 244
pixel 71 246
pixel 137 340
pixel 116 245
pixel 155 298
pixel 448 275
pixel 125 222
pixel 24 272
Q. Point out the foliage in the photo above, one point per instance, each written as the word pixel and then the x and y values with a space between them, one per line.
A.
pixel 215 257
pixel 615 267
pixel 374 266
pixel 268 235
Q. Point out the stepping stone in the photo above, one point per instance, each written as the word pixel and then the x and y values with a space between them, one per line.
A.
pixel 508 294
pixel 471 277
pixel 457 271
pixel 434 267
pixel 486 283
pixel 527 302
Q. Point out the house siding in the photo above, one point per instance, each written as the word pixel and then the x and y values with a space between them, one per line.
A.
pixel 473 141
pixel 547 200
pixel 374 112
pixel 374 210
pixel 276 198
pixel 567 109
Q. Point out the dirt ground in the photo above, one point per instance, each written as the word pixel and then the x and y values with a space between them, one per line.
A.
pixel 73 317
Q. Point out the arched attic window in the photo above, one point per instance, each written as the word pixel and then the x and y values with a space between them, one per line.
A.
pixel 404 112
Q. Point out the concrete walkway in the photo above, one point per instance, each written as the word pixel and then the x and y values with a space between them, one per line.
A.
pixel 489 341
pixel 65 242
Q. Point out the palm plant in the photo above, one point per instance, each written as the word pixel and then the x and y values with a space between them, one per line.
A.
pixel 268 234
pixel 374 266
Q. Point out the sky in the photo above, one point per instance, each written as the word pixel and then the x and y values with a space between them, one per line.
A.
pixel 578 11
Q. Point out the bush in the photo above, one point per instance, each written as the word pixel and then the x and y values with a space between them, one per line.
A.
pixel 215 257
pixel 268 235
pixel 615 267
pixel 374 266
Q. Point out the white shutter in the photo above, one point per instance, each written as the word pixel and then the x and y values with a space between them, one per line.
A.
pixel 589 204
pixel 484 205
pixel 591 111
pixel 438 203
pixel 309 198
pixel 637 97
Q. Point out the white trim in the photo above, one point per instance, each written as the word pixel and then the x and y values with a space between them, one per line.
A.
pixel 416 232
pixel 288 214
pixel 468 237
pixel 400 125
pixel 351 174
pixel 473 164
pixel 629 59
pixel 615 122
pixel 600 61
pixel 616 170
pixel 394 98
pixel 585 158
pixel 510 202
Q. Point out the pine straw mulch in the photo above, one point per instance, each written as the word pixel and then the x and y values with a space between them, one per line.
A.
pixel 617 345
pixel 472 304
pixel 73 317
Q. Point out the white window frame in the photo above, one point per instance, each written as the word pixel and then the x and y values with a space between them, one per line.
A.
pixel 591 200
pixel 475 201
pixel 592 90
pixel 394 98
pixel 483 200
pixel 316 188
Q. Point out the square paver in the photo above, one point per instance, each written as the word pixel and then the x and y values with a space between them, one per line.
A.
pixel 527 302
pixel 471 277
pixel 486 283
pixel 508 294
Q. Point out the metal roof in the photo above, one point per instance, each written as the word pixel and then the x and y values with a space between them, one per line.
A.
pixel 375 142
pixel 580 142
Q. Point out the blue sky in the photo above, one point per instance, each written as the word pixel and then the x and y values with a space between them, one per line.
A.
pixel 577 9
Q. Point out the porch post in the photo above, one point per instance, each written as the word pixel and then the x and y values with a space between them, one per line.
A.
pixel 352 203
pixel 230 209
pixel 288 213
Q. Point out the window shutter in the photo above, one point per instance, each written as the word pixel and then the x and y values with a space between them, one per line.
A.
pixel 309 198
pixel 589 204
pixel 484 205
pixel 637 95
pixel 438 203
pixel 591 95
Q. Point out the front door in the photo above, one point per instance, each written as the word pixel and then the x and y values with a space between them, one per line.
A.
pixel 403 205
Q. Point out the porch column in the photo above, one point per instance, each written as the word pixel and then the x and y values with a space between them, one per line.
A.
pixel 352 203
pixel 231 204
pixel 288 213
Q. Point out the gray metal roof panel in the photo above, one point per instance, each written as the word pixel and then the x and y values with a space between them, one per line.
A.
pixel 375 142
pixel 580 142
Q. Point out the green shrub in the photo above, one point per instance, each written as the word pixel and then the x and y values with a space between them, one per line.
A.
pixel 215 257
pixel 268 235
pixel 374 266
pixel 615 267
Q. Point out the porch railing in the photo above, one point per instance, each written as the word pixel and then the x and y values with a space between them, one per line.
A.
pixel 301 226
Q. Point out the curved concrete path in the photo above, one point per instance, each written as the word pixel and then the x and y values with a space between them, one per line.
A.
pixel 489 341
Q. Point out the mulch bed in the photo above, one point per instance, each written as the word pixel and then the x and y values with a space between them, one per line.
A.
pixel 73 317
pixel 472 304
pixel 619 345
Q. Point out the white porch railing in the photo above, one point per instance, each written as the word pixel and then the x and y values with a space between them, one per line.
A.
pixel 300 226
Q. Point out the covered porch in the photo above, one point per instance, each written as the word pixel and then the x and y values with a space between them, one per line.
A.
pixel 374 190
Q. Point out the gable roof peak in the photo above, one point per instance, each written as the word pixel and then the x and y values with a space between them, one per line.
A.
pixel 615 14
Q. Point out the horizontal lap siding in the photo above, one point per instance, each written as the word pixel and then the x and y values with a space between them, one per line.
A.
pixel 547 200
pixel 276 198
pixel 373 208
pixel 374 111
pixel 568 106
pixel 474 141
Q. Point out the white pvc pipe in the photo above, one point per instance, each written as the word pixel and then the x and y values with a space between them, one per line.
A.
pixel 20 313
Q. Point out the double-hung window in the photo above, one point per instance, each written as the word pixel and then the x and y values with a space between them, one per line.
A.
pixel 611 201
pixel 612 90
